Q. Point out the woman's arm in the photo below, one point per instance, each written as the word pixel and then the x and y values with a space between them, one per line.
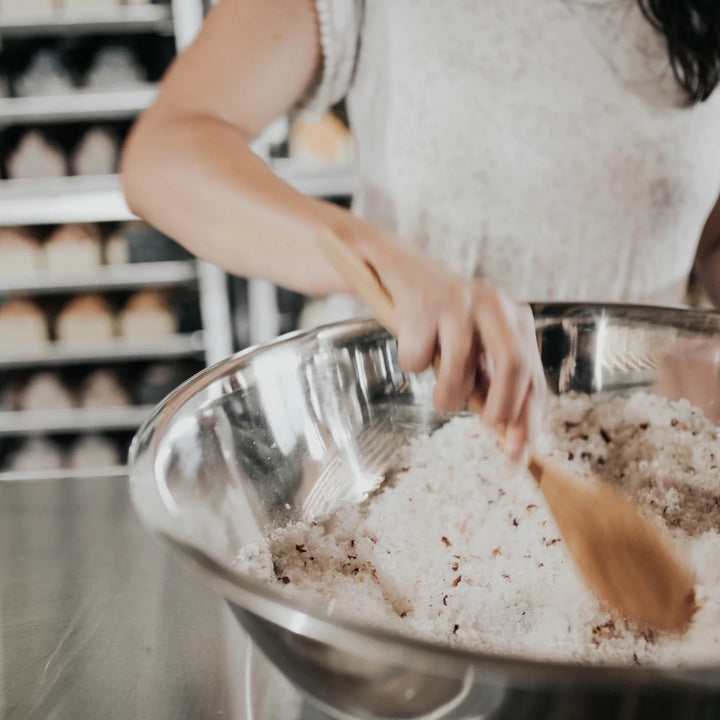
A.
pixel 188 169
pixel 707 259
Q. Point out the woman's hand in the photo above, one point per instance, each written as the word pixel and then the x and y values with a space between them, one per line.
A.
pixel 481 337
pixel 189 170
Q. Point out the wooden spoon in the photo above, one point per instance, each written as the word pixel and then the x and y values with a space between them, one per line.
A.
pixel 628 562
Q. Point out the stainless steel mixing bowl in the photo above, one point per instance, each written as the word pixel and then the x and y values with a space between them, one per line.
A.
pixel 299 426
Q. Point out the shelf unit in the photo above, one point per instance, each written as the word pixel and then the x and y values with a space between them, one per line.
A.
pixel 62 200
pixel 100 198
pixel 114 471
pixel 316 181
pixel 105 277
pixel 80 105
pixel 49 422
pixel 56 201
pixel 116 21
pixel 109 351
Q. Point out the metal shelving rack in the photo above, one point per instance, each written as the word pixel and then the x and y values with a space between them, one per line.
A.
pixel 63 200
pixel 82 199
pixel 116 21
pixel 48 201
pixel 316 182
pixel 100 199
pixel 78 105
pixel 97 198
pixel 116 350
pixel 169 273
pixel 49 422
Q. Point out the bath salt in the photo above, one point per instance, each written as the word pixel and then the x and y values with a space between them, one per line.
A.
pixel 458 547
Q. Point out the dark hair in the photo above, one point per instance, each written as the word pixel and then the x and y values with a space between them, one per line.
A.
pixel 692 31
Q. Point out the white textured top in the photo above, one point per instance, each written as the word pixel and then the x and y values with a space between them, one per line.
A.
pixel 545 146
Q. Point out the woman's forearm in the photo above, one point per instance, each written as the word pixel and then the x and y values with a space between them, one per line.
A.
pixel 196 179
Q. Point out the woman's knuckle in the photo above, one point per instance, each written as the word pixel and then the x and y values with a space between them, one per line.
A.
pixel 406 357
pixel 513 364
pixel 505 306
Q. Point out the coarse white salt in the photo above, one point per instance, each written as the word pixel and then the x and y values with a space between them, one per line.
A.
pixel 459 548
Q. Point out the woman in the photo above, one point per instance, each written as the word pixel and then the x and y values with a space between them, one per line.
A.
pixel 507 149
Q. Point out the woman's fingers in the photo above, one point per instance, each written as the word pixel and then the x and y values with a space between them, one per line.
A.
pixel 457 370
pixel 417 343
pixel 473 334
pixel 521 434
pixel 510 357
pixel 516 387
pixel 530 413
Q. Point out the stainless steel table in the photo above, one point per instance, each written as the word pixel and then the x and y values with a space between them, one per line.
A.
pixel 97 621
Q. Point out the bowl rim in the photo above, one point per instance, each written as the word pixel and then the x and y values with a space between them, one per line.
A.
pixel 263 601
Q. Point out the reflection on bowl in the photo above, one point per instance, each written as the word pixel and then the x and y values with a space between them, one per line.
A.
pixel 309 422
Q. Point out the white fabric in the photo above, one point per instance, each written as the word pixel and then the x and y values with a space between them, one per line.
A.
pixel 339 23
pixel 542 144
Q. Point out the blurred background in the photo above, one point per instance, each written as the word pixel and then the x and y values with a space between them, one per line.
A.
pixel 100 315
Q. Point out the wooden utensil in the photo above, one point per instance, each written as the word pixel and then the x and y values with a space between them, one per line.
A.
pixel 628 562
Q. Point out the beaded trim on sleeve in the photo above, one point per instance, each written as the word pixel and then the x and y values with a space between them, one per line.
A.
pixel 323 93
pixel 338 22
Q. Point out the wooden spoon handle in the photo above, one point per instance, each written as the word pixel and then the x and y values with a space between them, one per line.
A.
pixel 360 277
